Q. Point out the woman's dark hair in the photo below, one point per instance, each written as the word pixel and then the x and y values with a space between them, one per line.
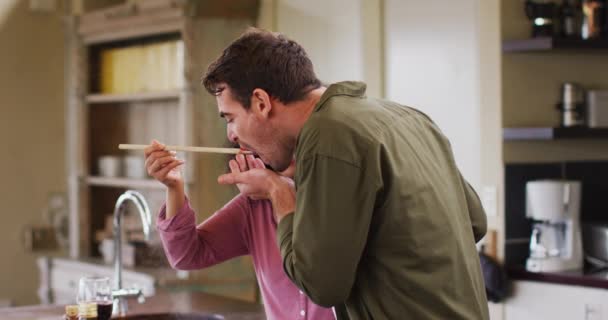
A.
pixel 265 60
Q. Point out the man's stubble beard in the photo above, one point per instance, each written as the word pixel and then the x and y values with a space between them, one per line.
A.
pixel 286 148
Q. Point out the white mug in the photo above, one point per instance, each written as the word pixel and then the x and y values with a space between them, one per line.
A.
pixel 109 166
pixel 135 167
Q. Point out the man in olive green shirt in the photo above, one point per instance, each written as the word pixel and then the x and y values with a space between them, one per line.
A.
pixel 380 223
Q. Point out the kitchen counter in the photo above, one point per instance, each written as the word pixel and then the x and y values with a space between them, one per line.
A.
pixel 581 277
pixel 163 302
pixel 163 274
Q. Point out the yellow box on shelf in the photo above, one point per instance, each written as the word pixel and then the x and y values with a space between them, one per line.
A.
pixel 107 71
pixel 153 67
pixel 178 72
pixel 130 69
pixel 118 73
pixel 165 64
pixel 177 68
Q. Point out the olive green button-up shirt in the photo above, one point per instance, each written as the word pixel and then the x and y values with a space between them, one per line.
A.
pixel 384 226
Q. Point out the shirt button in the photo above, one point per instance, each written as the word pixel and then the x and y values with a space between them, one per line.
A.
pixel 301 292
pixel 302 313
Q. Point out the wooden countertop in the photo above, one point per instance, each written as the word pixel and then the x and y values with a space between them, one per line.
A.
pixel 162 302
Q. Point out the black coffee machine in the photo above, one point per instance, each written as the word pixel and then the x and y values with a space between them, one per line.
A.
pixel 543 15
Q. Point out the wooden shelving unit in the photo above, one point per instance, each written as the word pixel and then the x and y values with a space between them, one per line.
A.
pixel 547 133
pixel 97 122
pixel 551 44
pixel 99 98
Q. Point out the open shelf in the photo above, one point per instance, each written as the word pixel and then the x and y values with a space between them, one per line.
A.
pixel 548 44
pixel 100 98
pixel 124 183
pixel 547 133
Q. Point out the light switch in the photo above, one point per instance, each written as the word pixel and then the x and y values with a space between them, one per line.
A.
pixel 489 200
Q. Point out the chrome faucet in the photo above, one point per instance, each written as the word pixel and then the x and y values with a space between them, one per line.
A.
pixel 120 294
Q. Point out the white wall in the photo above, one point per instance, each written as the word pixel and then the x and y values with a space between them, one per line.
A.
pixel 443 57
pixel 432 64
pixel 330 31
pixel 342 37
pixel 32 135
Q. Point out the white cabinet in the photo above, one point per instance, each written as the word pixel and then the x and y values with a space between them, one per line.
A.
pixel 59 279
pixel 540 301
pixel 496 310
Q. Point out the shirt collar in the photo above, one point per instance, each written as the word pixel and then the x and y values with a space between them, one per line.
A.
pixel 345 88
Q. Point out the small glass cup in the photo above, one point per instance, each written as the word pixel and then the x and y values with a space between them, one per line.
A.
pixel 96 290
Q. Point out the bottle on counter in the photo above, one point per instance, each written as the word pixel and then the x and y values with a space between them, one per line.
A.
pixel 569 19
pixel 71 312
pixel 572 106
pixel 87 311
pixel 593 18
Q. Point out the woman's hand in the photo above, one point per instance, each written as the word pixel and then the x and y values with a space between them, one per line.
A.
pixel 163 166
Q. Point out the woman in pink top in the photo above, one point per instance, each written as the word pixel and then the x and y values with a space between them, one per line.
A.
pixel 243 226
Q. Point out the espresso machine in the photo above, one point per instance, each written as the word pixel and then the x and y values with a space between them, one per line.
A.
pixel 555 242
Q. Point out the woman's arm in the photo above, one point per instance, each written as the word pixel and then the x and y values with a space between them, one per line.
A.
pixel 219 238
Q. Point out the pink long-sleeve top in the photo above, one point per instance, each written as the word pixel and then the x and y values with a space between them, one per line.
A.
pixel 241 227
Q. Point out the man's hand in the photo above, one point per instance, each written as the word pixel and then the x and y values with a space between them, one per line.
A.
pixel 242 164
pixel 257 179
pixel 163 166
pixel 254 180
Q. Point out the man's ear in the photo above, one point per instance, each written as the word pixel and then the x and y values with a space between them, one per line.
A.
pixel 260 102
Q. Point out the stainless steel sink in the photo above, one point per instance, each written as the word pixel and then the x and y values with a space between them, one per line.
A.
pixel 173 316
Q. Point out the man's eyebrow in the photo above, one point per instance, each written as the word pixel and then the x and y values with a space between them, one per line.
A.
pixel 224 114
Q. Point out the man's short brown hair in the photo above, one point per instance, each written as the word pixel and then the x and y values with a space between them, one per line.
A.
pixel 265 60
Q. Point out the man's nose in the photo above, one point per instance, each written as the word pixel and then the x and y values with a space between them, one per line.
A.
pixel 231 136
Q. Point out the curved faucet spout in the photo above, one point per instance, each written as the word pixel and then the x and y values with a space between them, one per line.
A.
pixel 120 306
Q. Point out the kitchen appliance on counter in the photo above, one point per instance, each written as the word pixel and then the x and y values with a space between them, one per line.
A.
pixel 555 242
pixel 597 108
pixel 542 14
pixel 595 243
pixel 572 106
